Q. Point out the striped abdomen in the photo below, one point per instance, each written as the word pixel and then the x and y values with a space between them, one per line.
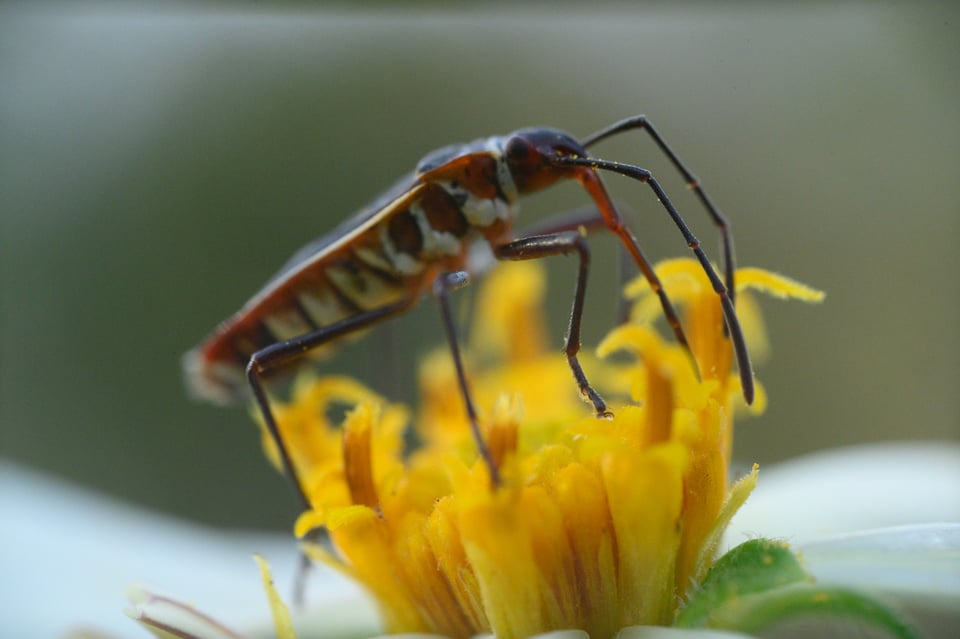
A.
pixel 382 255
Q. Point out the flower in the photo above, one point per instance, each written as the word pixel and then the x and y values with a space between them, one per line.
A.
pixel 537 443
pixel 79 577
pixel 594 524
pixel 606 527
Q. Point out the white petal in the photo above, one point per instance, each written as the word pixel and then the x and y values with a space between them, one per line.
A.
pixel 917 567
pixel 922 559
pixel 166 614
pixel 849 489
pixel 874 517
pixel 69 556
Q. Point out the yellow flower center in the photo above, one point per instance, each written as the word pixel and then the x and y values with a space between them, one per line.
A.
pixel 595 524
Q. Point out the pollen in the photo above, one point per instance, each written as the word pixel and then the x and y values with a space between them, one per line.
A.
pixel 594 525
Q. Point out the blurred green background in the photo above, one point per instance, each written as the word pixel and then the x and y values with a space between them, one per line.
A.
pixel 159 163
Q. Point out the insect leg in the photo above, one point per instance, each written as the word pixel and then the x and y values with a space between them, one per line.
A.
pixel 562 243
pixel 589 219
pixel 442 286
pixel 276 355
pixel 719 219
pixel 591 181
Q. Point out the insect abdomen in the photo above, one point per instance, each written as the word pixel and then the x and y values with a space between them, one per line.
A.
pixel 388 261
pixel 335 289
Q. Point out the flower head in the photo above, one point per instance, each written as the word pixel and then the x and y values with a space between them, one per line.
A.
pixel 595 524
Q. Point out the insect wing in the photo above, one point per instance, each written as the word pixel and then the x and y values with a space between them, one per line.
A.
pixel 215 369
pixel 343 233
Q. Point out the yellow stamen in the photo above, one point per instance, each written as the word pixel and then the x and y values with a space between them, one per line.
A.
pixel 357 461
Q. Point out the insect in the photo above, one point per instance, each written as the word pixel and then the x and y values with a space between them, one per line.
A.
pixel 414 239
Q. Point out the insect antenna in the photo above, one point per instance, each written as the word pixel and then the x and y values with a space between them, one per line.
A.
pixel 729 313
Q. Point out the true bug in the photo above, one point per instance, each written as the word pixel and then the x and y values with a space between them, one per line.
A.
pixel 414 238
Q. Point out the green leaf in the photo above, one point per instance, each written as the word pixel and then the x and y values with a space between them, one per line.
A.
pixel 761 583
pixel 756 566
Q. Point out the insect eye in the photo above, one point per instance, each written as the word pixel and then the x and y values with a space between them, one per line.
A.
pixel 518 149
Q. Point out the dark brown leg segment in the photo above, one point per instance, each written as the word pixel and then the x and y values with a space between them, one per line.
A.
pixel 591 182
pixel 563 243
pixel 442 286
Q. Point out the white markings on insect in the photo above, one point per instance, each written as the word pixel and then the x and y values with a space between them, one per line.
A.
pixel 405 263
pixel 372 258
pixel 364 288
pixel 287 324
pixel 435 243
pixel 479 211
pixel 216 382
pixel 324 308
pixel 504 178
